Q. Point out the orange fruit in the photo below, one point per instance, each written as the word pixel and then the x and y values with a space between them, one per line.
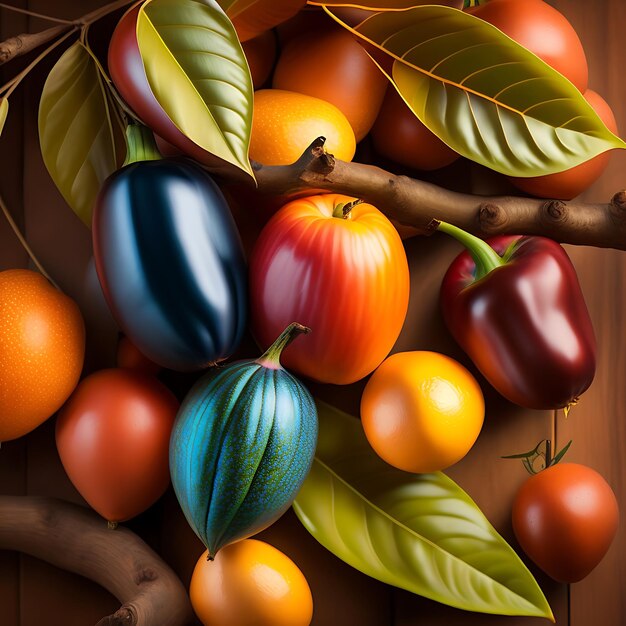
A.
pixel 250 583
pixel 42 346
pixel 422 411
pixel 570 183
pixel 285 123
pixel 398 135
pixel 261 54
pixel 330 64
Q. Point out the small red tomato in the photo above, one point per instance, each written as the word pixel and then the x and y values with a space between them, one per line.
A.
pixel 113 439
pixel 129 357
pixel 543 30
pixel 565 519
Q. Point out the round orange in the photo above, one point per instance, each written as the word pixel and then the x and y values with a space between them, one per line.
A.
pixel 285 123
pixel 332 65
pixel 250 583
pixel 42 346
pixel 422 411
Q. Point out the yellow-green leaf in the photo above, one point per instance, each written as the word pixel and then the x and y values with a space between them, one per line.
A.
pixel 483 94
pixel 384 5
pixel 198 73
pixel 75 130
pixel 419 532
pixel 4 111
pixel 253 17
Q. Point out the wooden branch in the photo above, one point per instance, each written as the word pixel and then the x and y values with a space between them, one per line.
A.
pixel 24 43
pixel 78 540
pixel 416 203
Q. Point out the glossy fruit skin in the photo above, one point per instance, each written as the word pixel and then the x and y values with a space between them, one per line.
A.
pixel 346 279
pixel 571 183
pixel 250 582
pixel 261 54
pixel 525 325
pixel 42 347
pixel 543 30
pixel 242 445
pixel 331 65
pixel 113 436
pixel 285 123
pixel 565 519
pixel 171 263
pixel 422 411
pixel 398 135
pixel 129 77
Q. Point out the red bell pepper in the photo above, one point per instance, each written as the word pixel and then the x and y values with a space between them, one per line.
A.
pixel 515 307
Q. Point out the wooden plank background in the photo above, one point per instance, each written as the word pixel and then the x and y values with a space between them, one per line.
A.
pixel 33 593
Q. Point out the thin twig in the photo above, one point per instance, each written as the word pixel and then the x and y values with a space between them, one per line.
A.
pixel 48 18
pixel 22 240
pixel 16 80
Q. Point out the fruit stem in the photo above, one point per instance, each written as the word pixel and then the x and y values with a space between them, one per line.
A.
pixel 140 144
pixel 484 256
pixel 342 210
pixel 111 525
pixel 271 357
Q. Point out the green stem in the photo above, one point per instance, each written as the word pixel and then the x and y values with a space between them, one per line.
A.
pixel 484 256
pixel 271 357
pixel 140 144
pixel 342 210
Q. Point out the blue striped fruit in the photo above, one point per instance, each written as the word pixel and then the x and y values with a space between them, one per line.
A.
pixel 243 443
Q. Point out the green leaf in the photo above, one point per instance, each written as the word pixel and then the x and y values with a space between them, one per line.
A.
pixel 483 94
pixel 253 17
pixel 75 131
pixel 383 5
pixel 199 74
pixel 4 111
pixel 419 532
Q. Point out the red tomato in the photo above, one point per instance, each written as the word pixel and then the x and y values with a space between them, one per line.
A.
pixel 398 135
pixel 129 357
pixel 570 183
pixel 543 30
pixel 346 279
pixel 113 439
pixel 129 77
pixel 565 519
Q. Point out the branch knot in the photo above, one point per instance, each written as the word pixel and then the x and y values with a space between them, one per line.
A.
pixel 491 217
pixel 555 211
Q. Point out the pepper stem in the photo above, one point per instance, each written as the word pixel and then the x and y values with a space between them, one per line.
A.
pixel 343 209
pixel 271 357
pixel 140 144
pixel 484 256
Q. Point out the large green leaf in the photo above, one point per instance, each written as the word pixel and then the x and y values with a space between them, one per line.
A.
pixel 4 111
pixel 253 17
pixel 75 131
pixel 198 73
pixel 483 94
pixel 420 532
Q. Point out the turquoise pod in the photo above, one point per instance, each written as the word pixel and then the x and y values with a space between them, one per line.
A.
pixel 242 445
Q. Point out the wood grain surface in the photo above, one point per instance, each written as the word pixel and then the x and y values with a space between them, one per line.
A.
pixel 33 593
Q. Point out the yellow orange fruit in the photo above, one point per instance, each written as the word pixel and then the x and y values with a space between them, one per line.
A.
pixel 422 411
pixel 330 64
pixel 42 347
pixel 285 123
pixel 250 583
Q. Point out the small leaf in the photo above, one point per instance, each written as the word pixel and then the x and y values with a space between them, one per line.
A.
pixel 561 454
pixel 198 73
pixel 483 94
pixel 75 131
pixel 526 455
pixel 253 17
pixel 4 111
pixel 384 5
pixel 419 532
